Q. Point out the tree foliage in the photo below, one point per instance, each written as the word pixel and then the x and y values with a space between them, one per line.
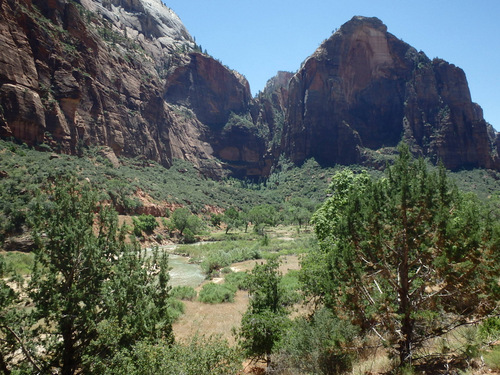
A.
pixel 11 317
pixel 144 223
pixel 201 356
pixel 91 292
pixel 319 344
pixel 261 216
pixel 232 219
pixel 186 223
pixel 299 210
pixel 407 257
pixel 265 320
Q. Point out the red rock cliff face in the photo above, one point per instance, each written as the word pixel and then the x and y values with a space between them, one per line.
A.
pixel 209 89
pixel 221 99
pixel 63 85
pixel 74 74
pixel 364 89
pixel 127 75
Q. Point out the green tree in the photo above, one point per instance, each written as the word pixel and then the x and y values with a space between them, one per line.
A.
pixel 183 220
pixel 299 211
pixel 262 216
pixel 265 320
pixel 11 317
pixel 407 257
pixel 216 220
pixel 232 219
pixel 180 219
pixel 144 223
pixel 87 283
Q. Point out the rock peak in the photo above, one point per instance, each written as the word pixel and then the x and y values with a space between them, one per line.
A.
pixel 127 75
pixel 360 21
pixel 365 90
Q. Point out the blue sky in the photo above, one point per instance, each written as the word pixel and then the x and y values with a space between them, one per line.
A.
pixel 257 38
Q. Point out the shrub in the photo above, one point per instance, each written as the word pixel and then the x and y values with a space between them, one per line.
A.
pixel 218 259
pixel 216 220
pixel 217 293
pixel 182 292
pixel 144 223
pixel 291 285
pixel 201 356
pixel 175 308
pixel 319 345
pixel 489 330
pixel 188 237
pixel 239 279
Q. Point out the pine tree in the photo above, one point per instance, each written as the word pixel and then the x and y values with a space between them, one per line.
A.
pixel 407 257
pixel 89 289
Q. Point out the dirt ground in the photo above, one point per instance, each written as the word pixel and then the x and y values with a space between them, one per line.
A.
pixel 219 319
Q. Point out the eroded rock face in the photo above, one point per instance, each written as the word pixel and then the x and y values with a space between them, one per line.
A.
pixel 209 89
pixel 74 74
pixel 126 74
pixel 365 89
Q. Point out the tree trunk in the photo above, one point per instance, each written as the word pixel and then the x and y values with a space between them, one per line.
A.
pixel 68 355
pixel 405 347
pixel 405 350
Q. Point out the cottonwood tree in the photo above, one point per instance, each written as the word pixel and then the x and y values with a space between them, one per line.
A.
pixel 183 220
pixel 299 210
pixel 90 291
pixel 407 257
pixel 232 219
pixel 261 216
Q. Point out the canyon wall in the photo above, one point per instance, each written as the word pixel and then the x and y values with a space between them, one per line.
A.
pixel 127 75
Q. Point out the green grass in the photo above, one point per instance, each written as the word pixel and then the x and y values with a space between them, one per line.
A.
pixel 492 358
pixel 19 263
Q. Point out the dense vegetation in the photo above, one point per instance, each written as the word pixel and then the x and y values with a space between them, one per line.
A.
pixel 24 170
pixel 90 294
pixel 406 256
pixel 294 192
pixel 400 262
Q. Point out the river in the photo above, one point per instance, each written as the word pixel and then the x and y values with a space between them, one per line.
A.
pixel 184 273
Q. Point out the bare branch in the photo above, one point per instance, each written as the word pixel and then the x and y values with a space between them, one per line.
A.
pixel 23 348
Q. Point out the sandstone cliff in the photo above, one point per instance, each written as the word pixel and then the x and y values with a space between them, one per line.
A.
pixel 89 72
pixel 364 90
pixel 126 74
